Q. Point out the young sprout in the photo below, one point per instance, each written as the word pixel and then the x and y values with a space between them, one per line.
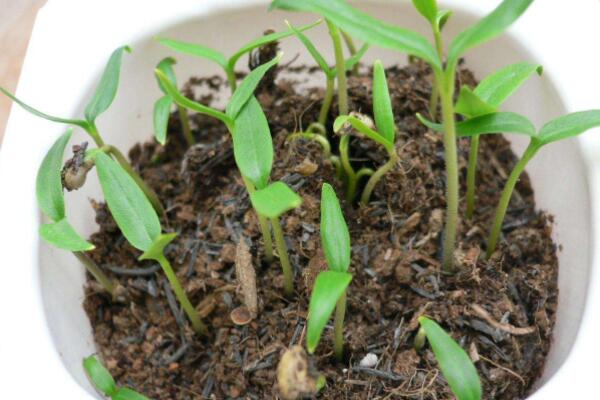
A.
pixel 50 199
pixel 329 291
pixel 162 107
pixel 385 136
pixel 140 225
pixel 376 32
pixel 103 97
pixel 457 367
pixel 557 129
pixel 228 64
pixel 105 383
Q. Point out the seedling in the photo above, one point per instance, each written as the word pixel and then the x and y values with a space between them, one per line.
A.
pixel 385 135
pixel 376 32
pixel 103 97
pixel 329 291
pixel 162 108
pixel 557 129
pixel 105 383
pixel 228 64
pixel 457 367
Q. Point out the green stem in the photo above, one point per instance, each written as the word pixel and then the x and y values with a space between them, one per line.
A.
pixel 340 69
pixel 263 223
pixel 435 90
pixel 191 312
pixel 150 194
pixel 288 275
pixel 96 272
pixel 185 125
pixel 506 195
pixel 92 130
pixel 338 328
pixel 317 137
pixel 351 48
pixel 347 167
pixel 231 79
pixel 329 90
pixel 374 179
pixel 471 174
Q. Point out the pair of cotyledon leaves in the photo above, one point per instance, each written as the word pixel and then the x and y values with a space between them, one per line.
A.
pixel 105 383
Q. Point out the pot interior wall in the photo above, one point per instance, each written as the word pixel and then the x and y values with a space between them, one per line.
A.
pixel 129 121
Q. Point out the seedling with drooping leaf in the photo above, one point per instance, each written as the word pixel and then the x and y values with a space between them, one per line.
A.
pixel 329 290
pixel 228 64
pixel 162 107
pixel 101 100
pixel 379 33
pixel 507 122
pixel 457 367
pixel 105 383
pixel 385 135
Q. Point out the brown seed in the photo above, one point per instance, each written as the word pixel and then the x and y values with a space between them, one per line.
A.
pixel 294 378
pixel 241 316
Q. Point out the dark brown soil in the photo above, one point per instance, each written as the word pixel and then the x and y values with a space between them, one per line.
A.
pixel 147 343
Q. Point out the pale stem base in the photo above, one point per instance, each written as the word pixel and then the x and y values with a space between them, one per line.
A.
pixel 95 271
pixel 185 125
pixel 338 328
pixel 471 175
pixel 288 275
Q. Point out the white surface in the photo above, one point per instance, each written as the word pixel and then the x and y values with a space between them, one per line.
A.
pixel 45 332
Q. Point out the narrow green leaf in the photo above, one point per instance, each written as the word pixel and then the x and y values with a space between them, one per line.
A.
pixel 128 204
pixel 471 105
pixel 355 58
pixel 107 88
pixel 246 89
pixel 382 104
pixel 195 50
pixel 457 367
pixel 329 287
pixel 166 66
pixel 252 144
pixel 318 57
pixel 275 199
pixel 48 185
pixel 428 9
pixel 128 394
pixel 488 28
pixel 78 122
pixel 335 236
pixel 156 250
pixel 99 376
pixel 162 112
pixel 366 28
pixel 62 235
pixel 442 18
pixel 569 125
pixel 497 87
pixel 360 126
pixel 502 122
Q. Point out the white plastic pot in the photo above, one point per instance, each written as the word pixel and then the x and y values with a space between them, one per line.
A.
pixel 44 331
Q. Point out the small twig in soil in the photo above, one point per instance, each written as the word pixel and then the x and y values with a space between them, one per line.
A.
pixel 134 271
pixel 513 330
pixel 510 371
pixel 176 356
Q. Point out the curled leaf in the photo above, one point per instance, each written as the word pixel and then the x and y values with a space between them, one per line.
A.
pixel 162 112
pixel 195 50
pixel 382 104
pixel 335 236
pixel 62 235
pixel 99 376
pixel 275 199
pixel 48 187
pixel 569 125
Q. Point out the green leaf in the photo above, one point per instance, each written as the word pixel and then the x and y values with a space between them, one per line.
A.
pixel 497 87
pixel 382 104
pixel 48 185
pixel 128 394
pixel 454 362
pixel 487 28
pixel 335 236
pixel 275 199
pixel 502 122
pixel 99 376
pixel 166 66
pixel 428 9
pixel 107 88
pixel 355 58
pixel 78 122
pixel 156 250
pixel 360 126
pixel 442 18
pixel 62 235
pixel 252 144
pixel 569 125
pixel 471 105
pixel 195 50
pixel 366 28
pixel 128 204
pixel 318 57
pixel 329 287
pixel 246 89
pixel 162 112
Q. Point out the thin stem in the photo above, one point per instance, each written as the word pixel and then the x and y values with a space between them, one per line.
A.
pixel 329 90
pixel 150 194
pixel 340 69
pixel 92 130
pixel 96 272
pixel 288 275
pixel 185 125
pixel 263 223
pixel 471 175
pixel 374 179
pixel 317 137
pixel 231 78
pixel 506 195
pixel 316 127
pixel 351 48
pixel 435 90
pixel 338 328
pixel 191 312
pixel 347 167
